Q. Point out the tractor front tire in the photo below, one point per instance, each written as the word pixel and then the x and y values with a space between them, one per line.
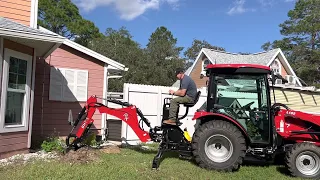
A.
pixel 303 160
pixel 219 145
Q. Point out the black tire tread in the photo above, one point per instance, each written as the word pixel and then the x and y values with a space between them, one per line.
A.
pixel 293 152
pixel 230 128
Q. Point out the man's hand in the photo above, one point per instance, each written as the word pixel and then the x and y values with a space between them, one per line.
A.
pixel 180 92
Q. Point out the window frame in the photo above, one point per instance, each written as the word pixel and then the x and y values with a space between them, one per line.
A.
pixel 1 63
pixel 5 78
pixel 280 66
pixel 64 84
pixel 202 64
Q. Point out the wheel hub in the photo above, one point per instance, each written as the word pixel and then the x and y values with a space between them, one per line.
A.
pixel 218 148
pixel 308 163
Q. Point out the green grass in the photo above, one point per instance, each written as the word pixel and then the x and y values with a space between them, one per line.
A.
pixel 133 164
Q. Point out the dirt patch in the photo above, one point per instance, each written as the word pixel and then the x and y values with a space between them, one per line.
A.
pixel 88 154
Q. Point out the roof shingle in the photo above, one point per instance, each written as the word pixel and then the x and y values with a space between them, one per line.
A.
pixel 221 57
pixel 14 26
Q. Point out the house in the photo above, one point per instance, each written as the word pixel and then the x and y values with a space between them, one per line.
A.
pixel 44 78
pixel 64 82
pixel 274 58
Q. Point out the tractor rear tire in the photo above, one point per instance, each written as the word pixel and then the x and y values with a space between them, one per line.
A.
pixel 303 160
pixel 233 150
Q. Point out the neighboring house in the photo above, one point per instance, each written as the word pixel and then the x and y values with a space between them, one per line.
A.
pixel 32 88
pixel 275 59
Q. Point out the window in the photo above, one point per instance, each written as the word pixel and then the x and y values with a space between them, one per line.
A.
pixel 68 84
pixel 15 96
pixel 205 62
pixel 276 66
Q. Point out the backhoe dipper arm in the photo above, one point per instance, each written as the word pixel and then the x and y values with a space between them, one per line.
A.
pixel 144 119
pixel 127 114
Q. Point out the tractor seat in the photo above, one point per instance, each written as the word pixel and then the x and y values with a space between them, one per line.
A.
pixel 196 99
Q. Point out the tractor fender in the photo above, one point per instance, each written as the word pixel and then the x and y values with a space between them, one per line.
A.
pixel 209 116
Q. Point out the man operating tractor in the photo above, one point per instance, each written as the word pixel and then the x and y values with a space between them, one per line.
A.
pixel 187 93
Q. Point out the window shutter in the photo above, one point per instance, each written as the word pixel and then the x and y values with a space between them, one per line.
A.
pixel 69 85
pixel 81 89
pixel 56 79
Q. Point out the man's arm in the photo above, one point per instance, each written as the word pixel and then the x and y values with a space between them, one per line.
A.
pixel 183 89
pixel 180 92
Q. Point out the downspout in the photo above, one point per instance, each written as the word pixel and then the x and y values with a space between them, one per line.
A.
pixel 1 63
pixel 34 61
pixel 104 127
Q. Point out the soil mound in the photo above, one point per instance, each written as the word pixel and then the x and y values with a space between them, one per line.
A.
pixel 88 154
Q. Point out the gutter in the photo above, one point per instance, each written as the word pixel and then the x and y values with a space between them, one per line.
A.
pixel 31 36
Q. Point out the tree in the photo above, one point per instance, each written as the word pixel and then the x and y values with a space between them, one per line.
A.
pixel 162 44
pixel 153 65
pixel 302 38
pixel 63 17
pixel 303 25
pixel 193 51
pixel 163 56
pixel 119 46
pixel 86 32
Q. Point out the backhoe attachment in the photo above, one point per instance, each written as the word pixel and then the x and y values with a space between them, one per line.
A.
pixel 170 137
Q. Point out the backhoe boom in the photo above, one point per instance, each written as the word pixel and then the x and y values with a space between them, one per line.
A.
pixel 127 114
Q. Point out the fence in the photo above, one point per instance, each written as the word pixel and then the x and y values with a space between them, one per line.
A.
pixel 150 100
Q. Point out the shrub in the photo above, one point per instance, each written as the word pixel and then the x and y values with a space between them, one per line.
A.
pixel 90 140
pixel 52 144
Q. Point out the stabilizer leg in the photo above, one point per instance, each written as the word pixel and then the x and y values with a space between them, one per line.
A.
pixel 157 158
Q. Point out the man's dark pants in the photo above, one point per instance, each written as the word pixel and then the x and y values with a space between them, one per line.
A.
pixel 174 104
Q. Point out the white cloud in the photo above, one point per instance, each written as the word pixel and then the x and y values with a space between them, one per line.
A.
pixel 268 2
pixel 127 9
pixel 238 8
pixel 173 3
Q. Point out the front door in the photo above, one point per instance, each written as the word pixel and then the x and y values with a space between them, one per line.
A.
pixel 15 95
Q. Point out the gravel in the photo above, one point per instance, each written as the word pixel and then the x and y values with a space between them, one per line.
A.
pixel 29 157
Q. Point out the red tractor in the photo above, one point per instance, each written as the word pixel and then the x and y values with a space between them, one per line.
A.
pixel 237 119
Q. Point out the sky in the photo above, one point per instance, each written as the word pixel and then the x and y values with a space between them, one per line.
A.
pixel 236 25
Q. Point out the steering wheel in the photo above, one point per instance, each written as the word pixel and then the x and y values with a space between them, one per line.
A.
pixel 278 105
pixel 247 106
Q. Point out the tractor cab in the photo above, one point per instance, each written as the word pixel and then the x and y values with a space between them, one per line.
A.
pixel 240 92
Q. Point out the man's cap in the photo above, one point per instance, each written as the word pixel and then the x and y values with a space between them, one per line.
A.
pixel 179 70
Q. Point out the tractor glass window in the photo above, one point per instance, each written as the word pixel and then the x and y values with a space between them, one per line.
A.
pixel 244 98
